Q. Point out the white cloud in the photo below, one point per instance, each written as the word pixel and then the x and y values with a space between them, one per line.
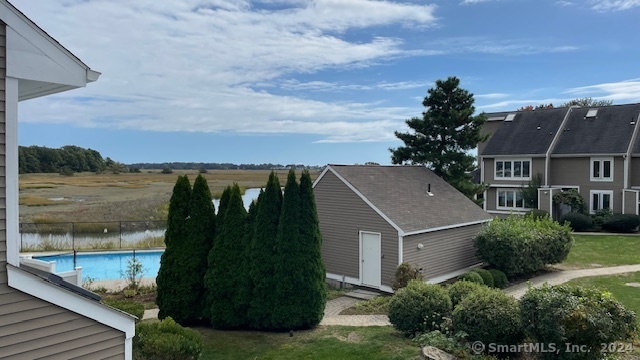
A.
pixel 614 5
pixel 491 96
pixel 512 47
pixel 564 3
pixel 295 85
pixel 467 2
pixel 209 65
pixel 620 92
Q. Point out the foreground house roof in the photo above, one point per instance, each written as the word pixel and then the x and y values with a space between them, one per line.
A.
pixel 401 194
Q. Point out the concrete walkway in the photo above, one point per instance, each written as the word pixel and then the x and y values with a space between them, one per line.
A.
pixel 561 277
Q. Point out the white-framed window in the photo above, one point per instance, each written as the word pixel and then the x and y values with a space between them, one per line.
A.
pixel 600 200
pixel 510 199
pixel 602 169
pixel 516 169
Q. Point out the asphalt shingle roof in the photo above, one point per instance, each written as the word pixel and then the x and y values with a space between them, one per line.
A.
pixel 400 192
pixel 608 133
pixel 530 132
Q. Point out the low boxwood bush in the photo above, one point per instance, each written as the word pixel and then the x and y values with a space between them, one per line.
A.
pixel 128 306
pixel 576 315
pixel 459 289
pixel 523 245
pixel 577 221
pixel 486 276
pixel 419 307
pixel 500 280
pixel 621 223
pixel 471 276
pixel 166 340
pixel 490 316
pixel 405 272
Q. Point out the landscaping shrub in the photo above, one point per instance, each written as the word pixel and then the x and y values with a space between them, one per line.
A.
pixel 405 272
pixel 522 245
pixel 166 340
pixel 486 276
pixel 459 289
pixel 621 223
pixel 577 221
pixel 472 276
pixel 600 217
pixel 128 306
pixel 419 307
pixel 566 314
pixel 500 280
pixel 490 316
pixel 537 213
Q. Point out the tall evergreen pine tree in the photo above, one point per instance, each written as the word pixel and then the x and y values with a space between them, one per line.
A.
pixel 314 297
pixel 261 255
pixel 289 268
pixel 226 281
pixel 171 288
pixel 222 208
pixel 201 225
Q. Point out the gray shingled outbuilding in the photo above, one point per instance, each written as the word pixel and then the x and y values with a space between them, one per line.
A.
pixel 373 218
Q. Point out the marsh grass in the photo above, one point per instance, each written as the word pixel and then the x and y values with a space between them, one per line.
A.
pixel 33 200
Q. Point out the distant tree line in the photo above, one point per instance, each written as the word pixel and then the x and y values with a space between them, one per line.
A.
pixel 215 166
pixel 41 159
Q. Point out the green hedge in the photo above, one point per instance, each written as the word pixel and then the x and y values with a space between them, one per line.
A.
pixel 460 289
pixel 472 276
pixel 566 314
pixel 621 223
pixel 490 316
pixel 522 245
pixel 486 276
pixel 500 280
pixel 405 272
pixel 166 340
pixel 419 307
pixel 578 221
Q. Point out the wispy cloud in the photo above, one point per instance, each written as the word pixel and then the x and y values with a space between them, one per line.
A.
pixel 614 5
pixel 210 65
pixel 295 85
pixel 490 96
pixel 509 47
pixel 467 2
pixel 564 3
pixel 622 91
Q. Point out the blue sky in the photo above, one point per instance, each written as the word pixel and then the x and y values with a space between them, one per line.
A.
pixel 313 82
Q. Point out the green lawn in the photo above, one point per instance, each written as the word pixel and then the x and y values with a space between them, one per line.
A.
pixel 592 251
pixel 333 342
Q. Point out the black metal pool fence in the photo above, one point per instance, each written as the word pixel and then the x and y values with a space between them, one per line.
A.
pixel 105 235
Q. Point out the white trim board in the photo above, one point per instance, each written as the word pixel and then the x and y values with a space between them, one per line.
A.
pixel 451 275
pixel 35 286
pixel 447 227
pixel 11 171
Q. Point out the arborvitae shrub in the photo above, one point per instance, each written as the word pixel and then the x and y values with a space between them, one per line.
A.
pixel 500 280
pixel 126 305
pixel 171 289
pixel 419 307
pixel 567 314
pixel 621 223
pixel 472 276
pixel 486 276
pixel 490 316
pixel 459 289
pixel 226 280
pixel 405 272
pixel 166 340
pixel 577 221
pixel 261 255
pixel 523 245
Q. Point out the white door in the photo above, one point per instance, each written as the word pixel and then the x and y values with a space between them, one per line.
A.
pixel 370 263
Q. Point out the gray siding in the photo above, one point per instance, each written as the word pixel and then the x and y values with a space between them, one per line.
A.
pixel 576 172
pixel 31 328
pixel 444 251
pixel 342 215
pixel 630 202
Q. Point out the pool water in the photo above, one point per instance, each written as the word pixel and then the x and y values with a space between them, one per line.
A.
pixel 107 265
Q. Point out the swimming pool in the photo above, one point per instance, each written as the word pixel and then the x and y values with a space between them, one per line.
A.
pixel 107 265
